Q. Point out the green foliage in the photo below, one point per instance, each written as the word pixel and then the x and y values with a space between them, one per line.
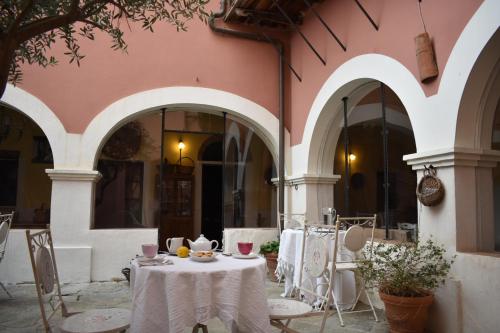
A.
pixel 270 247
pixel 32 27
pixel 405 269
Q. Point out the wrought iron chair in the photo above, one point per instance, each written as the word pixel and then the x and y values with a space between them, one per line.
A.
pixel 360 231
pixel 310 300
pixel 5 223
pixel 48 289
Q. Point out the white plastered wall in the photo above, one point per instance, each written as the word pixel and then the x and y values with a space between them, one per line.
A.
pixel 85 254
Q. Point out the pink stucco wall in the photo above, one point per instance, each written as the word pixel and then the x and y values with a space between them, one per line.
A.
pixel 165 58
pixel 399 22
pixel 249 69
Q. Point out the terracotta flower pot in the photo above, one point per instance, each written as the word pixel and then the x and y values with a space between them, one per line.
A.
pixel 272 263
pixel 406 314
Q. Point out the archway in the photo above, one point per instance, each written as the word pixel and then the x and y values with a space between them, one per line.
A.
pixel 124 190
pixel 477 131
pixel 264 123
pixel 25 153
pixel 355 79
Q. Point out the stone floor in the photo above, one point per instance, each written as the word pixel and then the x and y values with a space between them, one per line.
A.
pixel 21 313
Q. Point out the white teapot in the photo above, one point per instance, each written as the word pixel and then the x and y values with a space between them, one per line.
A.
pixel 202 244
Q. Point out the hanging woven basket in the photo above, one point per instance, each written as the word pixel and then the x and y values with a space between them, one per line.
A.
pixel 430 190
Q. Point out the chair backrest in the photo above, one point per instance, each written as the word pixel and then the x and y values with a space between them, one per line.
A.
pixel 5 224
pixel 359 231
pixel 317 252
pixel 43 263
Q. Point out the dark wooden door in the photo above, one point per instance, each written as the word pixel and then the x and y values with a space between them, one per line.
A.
pixel 211 207
pixel 176 213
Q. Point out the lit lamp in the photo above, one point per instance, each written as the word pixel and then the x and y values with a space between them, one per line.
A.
pixel 352 157
pixel 181 146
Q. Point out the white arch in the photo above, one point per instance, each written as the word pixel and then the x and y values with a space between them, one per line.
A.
pixel 461 67
pixel 43 116
pixel 348 79
pixel 264 122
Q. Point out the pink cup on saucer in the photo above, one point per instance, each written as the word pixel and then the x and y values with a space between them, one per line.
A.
pixel 149 250
pixel 245 247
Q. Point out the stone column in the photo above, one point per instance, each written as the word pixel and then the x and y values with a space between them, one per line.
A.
pixel 71 215
pixel 308 193
pixel 467 210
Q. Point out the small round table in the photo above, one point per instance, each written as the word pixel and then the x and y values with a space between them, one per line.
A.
pixel 169 298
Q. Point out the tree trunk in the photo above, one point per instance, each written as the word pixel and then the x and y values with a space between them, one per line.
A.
pixel 7 50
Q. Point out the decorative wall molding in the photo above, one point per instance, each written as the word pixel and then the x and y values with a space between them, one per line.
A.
pixel 73 175
pixel 265 124
pixel 308 179
pixel 457 156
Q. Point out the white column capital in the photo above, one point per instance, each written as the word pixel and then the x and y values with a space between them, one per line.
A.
pixel 73 175
pixel 456 156
pixel 308 179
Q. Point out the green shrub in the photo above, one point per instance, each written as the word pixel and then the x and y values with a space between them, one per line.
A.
pixel 270 247
pixel 405 269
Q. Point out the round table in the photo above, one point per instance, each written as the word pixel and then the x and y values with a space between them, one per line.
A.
pixel 169 298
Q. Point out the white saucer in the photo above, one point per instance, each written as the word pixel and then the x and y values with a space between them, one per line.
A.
pixel 245 256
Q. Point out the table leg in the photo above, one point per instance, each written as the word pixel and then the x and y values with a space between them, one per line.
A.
pixel 198 326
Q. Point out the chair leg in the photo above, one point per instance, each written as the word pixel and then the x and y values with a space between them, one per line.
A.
pixel 338 310
pixel 286 325
pixel 5 289
pixel 357 298
pixel 196 328
pixel 371 305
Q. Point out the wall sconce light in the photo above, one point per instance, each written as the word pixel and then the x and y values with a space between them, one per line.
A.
pixel 181 146
pixel 352 157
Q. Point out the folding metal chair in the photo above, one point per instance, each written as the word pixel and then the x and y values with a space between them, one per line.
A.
pixel 359 233
pixel 43 263
pixel 311 299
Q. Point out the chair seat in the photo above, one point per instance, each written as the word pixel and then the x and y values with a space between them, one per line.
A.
pixel 346 266
pixel 97 321
pixel 287 308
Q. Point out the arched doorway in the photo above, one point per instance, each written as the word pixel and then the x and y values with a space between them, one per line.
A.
pixel 25 153
pixel 363 182
pixel 183 195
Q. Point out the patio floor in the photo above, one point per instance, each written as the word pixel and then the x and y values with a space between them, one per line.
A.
pixel 21 313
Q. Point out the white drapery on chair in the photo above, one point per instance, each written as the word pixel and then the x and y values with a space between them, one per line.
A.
pixel 311 299
pixel 360 232
pixel 5 224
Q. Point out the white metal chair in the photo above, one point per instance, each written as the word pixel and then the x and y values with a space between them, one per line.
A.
pixel 359 232
pixel 5 224
pixel 316 253
pixel 44 266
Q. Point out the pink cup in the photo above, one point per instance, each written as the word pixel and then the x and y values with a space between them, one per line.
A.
pixel 245 247
pixel 149 250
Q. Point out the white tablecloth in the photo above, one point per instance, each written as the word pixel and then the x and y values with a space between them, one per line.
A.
pixel 172 297
pixel 289 266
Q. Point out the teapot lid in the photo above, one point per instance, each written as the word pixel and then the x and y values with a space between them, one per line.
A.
pixel 201 239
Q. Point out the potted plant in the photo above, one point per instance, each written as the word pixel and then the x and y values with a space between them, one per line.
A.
pixel 270 251
pixel 406 275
